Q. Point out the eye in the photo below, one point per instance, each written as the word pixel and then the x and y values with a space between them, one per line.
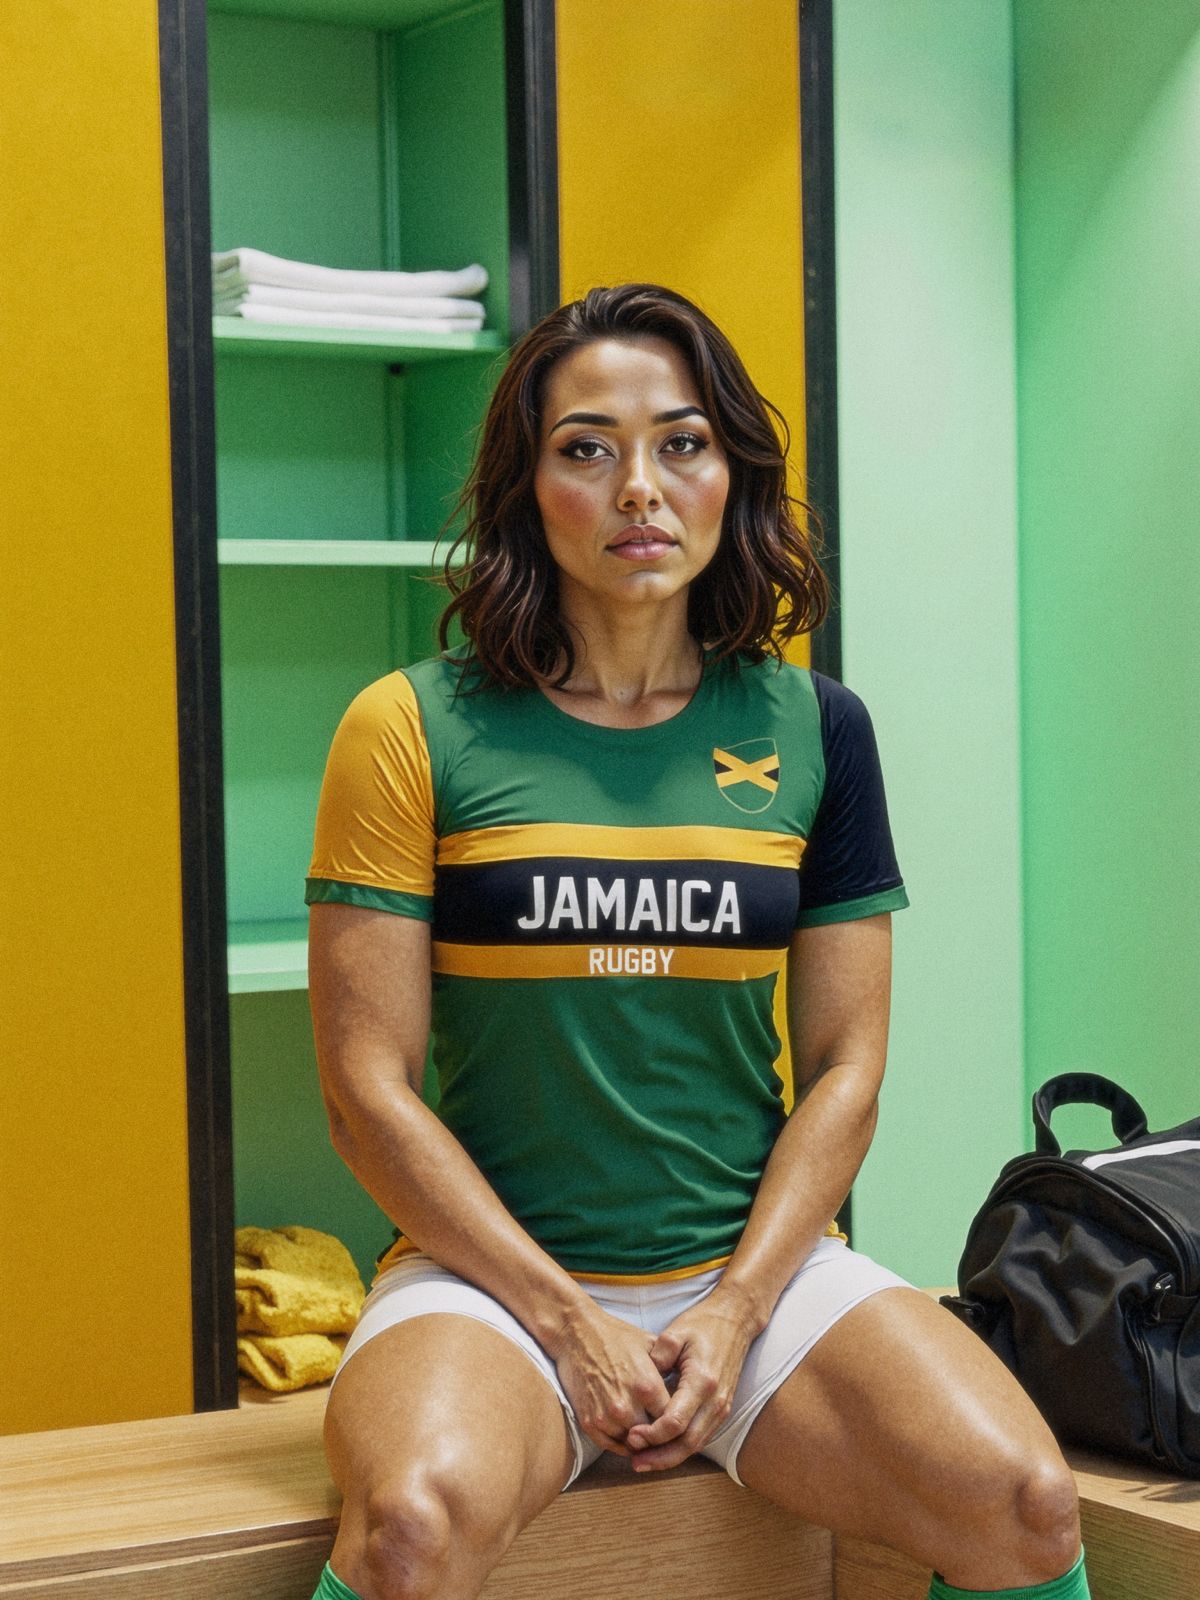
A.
pixel 697 441
pixel 692 444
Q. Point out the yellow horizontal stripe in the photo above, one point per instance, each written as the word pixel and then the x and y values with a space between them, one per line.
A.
pixel 521 841
pixel 575 961
pixel 649 1277
pixel 404 1246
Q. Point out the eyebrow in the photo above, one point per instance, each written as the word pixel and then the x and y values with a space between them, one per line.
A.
pixel 599 420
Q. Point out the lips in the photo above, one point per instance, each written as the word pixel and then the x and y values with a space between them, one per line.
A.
pixel 644 533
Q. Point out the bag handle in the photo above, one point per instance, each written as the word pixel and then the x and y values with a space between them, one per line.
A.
pixel 1085 1088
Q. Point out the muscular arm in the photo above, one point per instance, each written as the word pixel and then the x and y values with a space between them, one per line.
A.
pixel 369 990
pixel 839 986
pixel 369 993
pixel 838 991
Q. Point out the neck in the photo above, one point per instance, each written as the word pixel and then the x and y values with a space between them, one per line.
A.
pixel 625 658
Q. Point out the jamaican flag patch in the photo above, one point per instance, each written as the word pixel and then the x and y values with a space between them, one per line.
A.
pixel 747 774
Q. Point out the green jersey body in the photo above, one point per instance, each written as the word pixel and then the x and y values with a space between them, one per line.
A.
pixel 611 910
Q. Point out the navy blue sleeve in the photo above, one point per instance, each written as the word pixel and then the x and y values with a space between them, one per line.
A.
pixel 849 866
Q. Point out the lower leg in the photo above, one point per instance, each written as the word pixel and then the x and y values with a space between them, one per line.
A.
pixel 331 1587
pixel 1070 1585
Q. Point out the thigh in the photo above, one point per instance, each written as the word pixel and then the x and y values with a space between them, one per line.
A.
pixel 441 1421
pixel 898 1421
pixel 830 1283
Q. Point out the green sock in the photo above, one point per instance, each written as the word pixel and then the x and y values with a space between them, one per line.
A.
pixel 1072 1585
pixel 331 1587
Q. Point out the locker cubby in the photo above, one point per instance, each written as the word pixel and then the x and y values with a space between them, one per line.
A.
pixel 363 135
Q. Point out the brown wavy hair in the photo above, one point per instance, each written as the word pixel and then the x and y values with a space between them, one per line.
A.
pixel 763 586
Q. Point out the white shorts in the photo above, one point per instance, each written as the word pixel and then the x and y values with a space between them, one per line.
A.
pixel 830 1282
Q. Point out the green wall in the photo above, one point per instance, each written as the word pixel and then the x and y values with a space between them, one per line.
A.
pixel 1108 354
pixel 927 423
pixel 1017 239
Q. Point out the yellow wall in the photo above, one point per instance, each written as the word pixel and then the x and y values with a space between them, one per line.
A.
pixel 94 1246
pixel 679 163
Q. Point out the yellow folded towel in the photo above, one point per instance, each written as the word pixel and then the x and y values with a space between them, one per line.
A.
pixel 292 1362
pixel 294 1281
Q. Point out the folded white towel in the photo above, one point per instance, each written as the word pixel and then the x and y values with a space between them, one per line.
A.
pixel 391 305
pixel 353 319
pixel 470 322
pixel 246 266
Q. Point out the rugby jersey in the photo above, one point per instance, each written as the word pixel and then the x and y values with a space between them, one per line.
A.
pixel 611 910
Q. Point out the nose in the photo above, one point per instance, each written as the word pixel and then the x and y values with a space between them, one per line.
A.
pixel 640 490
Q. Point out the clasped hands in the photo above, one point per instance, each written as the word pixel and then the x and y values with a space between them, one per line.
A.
pixel 660 1399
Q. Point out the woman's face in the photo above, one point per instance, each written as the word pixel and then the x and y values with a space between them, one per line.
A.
pixel 631 481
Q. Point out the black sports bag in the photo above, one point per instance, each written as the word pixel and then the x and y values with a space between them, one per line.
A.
pixel 1081 1271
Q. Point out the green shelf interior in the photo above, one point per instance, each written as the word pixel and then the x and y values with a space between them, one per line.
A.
pixel 362 135
pixel 424 553
pixel 268 956
pixel 238 336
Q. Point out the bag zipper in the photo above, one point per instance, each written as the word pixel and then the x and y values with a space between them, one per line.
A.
pixel 1162 1450
pixel 1176 1239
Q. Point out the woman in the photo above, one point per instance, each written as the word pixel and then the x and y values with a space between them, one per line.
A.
pixel 614 1238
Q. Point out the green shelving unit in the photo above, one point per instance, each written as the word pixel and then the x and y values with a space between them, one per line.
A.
pixel 327 552
pixel 372 136
pixel 269 956
pixel 237 336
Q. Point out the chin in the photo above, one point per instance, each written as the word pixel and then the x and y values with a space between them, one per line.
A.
pixel 659 584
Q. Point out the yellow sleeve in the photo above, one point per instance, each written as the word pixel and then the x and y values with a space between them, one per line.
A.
pixel 374 839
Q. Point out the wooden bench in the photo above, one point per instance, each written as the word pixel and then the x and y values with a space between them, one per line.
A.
pixel 239 1503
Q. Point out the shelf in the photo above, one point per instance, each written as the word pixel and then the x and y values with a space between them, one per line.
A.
pixel 268 955
pixel 345 13
pixel 421 553
pixel 237 336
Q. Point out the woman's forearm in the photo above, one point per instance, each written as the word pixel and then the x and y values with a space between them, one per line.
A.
pixel 811 1168
pixel 420 1175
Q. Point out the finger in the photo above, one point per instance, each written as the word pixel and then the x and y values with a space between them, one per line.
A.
pixel 615 1445
pixel 653 1395
pixel 664 1456
pixel 605 1440
pixel 609 1426
pixel 661 1431
pixel 703 1426
pixel 687 1400
pixel 665 1351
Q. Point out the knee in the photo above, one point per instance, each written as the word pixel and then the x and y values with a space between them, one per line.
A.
pixel 1047 1511
pixel 406 1540
pixel 422 1533
pixel 1023 1525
